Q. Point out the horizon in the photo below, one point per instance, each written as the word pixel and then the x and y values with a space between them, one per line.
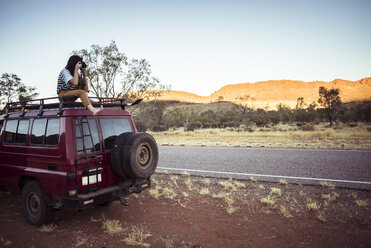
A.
pixel 269 80
pixel 197 47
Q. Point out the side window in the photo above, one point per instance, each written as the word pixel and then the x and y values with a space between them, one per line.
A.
pixel 111 128
pixel 38 131
pixel 10 131
pixel 52 132
pixel 16 132
pixel 21 136
pixel 87 139
pixel 45 132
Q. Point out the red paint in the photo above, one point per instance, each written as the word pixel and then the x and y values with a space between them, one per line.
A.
pixel 50 164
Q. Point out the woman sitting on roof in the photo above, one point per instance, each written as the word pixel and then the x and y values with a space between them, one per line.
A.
pixel 73 83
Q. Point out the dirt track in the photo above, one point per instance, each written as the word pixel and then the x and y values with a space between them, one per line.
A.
pixel 193 212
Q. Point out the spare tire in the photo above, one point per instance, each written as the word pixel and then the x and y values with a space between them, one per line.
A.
pixel 134 155
pixel 116 158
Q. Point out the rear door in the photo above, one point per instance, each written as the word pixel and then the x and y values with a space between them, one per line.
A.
pixel 89 166
pixel 95 172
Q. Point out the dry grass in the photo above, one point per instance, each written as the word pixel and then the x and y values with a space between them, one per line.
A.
pixel 155 192
pixel 137 237
pixel 186 174
pixel 168 242
pixel 330 197
pixel 174 179
pixel 188 182
pixel 5 242
pixel 287 136
pixel 204 191
pixel 252 179
pixel 48 228
pixel 227 197
pixel 112 226
pixel 276 191
pixel 321 217
pixel 268 201
pixel 327 185
pixel 230 209
pixel 361 203
pixel 313 206
pixel 239 185
pixel 230 185
pixel 284 212
pixel 234 192
pixel 92 219
pixel 168 193
pixel 80 242
pixel 206 181
pixel 283 182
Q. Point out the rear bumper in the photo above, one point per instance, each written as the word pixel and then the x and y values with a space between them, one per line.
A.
pixel 105 195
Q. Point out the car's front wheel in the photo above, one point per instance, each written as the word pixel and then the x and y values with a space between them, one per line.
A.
pixel 34 206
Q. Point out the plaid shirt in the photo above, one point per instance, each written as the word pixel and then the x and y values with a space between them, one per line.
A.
pixel 64 80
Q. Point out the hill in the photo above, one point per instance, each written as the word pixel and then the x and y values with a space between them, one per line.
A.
pixel 270 93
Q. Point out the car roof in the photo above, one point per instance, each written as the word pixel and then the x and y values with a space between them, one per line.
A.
pixel 76 112
pixel 60 106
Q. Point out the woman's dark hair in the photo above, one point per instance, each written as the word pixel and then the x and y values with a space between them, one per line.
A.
pixel 73 60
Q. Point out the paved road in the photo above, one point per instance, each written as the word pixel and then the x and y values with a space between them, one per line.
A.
pixel 341 167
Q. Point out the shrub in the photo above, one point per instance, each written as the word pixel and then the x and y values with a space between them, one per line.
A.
pixel 192 126
pixel 307 127
pixel 160 128
pixel 141 127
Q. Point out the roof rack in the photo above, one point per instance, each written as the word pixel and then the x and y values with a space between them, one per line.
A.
pixel 62 103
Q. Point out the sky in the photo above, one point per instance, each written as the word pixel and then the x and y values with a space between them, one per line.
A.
pixel 195 46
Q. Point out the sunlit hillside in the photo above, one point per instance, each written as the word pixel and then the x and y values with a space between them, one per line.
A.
pixel 270 93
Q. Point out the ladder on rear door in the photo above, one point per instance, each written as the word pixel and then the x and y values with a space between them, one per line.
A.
pixel 88 153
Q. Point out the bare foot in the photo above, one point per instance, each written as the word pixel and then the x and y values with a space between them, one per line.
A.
pixel 97 110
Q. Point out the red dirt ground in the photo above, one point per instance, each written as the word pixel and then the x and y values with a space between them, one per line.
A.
pixel 199 219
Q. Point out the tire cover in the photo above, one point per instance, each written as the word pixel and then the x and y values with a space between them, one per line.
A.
pixel 134 155
pixel 116 154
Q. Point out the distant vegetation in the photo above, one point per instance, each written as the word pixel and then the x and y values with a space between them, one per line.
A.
pixel 13 89
pixel 165 115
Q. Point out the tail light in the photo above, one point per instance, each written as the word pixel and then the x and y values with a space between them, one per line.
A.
pixel 72 183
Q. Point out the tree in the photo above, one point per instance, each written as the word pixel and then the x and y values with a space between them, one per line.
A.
pixel 330 100
pixel 175 117
pixel 219 100
pixel 285 113
pixel 300 103
pixel 158 111
pixel 12 89
pixel 112 74
pixel 243 105
pixel 207 118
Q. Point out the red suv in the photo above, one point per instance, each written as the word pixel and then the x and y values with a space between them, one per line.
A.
pixel 57 154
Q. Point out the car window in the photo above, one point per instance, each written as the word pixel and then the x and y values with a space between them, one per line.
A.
pixel 38 131
pixel 10 131
pixel 45 132
pixel 87 139
pixel 16 132
pixel 111 128
pixel 52 132
pixel 22 131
